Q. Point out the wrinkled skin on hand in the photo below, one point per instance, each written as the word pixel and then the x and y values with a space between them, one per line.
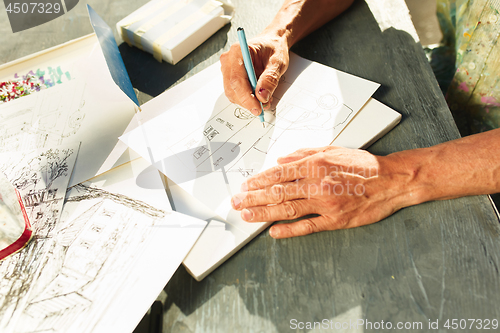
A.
pixel 346 187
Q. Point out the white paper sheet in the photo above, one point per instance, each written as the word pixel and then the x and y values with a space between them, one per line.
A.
pixel 116 247
pixel 209 146
pixel 85 106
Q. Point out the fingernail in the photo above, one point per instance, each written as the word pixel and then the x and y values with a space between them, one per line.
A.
pixel 256 112
pixel 235 202
pixel 237 199
pixel 244 187
pixel 265 94
pixel 274 232
pixel 247 215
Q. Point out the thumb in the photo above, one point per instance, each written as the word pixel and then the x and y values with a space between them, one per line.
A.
pixel 268 80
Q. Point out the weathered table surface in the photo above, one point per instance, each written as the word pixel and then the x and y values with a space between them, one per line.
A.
pixel 435 261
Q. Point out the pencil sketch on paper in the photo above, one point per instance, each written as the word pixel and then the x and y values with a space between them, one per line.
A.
pixel 44 119
pixel 103 238
pixel 310 107
pixel 231 138
pixel 84 259
pixel 42 179
pixel 82 192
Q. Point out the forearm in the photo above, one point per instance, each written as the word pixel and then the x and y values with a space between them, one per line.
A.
pixel 298 18
pixel 467 166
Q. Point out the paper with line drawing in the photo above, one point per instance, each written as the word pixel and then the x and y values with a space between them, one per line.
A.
pixel 85 106
pixel 209 146
pixel 104 261
pixel 41 177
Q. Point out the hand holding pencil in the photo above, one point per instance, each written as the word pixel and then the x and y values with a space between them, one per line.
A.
pixel 269 50
pixel 247 61
pixel 270 59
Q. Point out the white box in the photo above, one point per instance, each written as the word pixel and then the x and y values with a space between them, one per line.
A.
pixel 171 29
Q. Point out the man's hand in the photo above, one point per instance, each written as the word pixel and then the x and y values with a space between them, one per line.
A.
pixel 270 59
pixel 269 51
pixel 346 187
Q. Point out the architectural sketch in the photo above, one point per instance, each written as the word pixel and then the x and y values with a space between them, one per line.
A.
pixel 104 248
pixel 42 119
pixel 83 104
pixel 41 178
pixel 290 116
pixel 84 260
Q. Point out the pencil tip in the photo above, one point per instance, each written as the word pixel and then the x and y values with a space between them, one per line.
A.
pixel 264 125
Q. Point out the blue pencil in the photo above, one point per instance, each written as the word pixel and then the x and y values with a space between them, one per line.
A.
pixel 247 60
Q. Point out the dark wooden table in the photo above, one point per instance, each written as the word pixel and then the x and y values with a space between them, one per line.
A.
pixel 435 261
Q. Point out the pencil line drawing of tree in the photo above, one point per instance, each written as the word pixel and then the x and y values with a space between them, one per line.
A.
pixel 56 165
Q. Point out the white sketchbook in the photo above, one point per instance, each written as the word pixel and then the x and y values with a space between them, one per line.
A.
pixel 208 146
pixel 221 240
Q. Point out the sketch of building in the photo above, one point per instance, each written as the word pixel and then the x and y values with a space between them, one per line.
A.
pixel 83 258
pixel 41 178
pixel 94 256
